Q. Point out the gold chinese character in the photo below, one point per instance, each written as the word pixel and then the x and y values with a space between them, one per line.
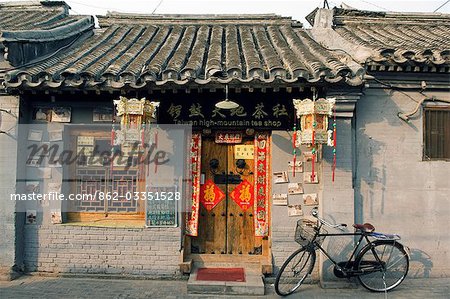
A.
pixel 279 110
pixel 196 110
pixel 174 111
pixel 216 112
pixel 239 111
pixel 259 112
pixel 209 193
pixel 245 194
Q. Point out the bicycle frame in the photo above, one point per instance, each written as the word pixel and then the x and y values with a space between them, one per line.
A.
pixel 347 269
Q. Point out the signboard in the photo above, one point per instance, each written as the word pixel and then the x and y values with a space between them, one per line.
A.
pixel 228 137
pixel 258 113
pixel 161 206
pixel 244 151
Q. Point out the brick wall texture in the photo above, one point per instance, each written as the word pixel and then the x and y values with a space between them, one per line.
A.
pixel 119 251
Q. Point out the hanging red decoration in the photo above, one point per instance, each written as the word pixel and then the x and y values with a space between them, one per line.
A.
pixel 313 128
pixel 334 142
pixel 294 152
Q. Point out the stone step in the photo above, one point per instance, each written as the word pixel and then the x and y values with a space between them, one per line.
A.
pixel 253 284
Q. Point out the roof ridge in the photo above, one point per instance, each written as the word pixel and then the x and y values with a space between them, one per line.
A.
pixel 389 15
pixel 34 5
pixel 195 19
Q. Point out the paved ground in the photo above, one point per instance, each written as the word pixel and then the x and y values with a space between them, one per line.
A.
pixel 48 287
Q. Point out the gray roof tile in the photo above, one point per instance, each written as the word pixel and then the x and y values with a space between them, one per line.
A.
pixel 402 39
pixel 137 50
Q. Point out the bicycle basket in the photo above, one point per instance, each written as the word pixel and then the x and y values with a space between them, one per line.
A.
pixel 304 234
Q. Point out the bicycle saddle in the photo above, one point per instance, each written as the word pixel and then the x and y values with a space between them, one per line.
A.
pixel 366 227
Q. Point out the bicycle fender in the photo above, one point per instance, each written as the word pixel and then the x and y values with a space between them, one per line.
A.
pixel 376 242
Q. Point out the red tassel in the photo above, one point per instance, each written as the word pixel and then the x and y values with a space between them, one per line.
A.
pixel 113 136
pixel 156 146
pixel 313 154
pixel 293 169
pixel 334 166
pixel 334 144
pixel 295 152
pixel 143 136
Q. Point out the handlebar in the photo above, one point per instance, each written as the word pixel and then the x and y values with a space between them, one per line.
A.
pixel 315 213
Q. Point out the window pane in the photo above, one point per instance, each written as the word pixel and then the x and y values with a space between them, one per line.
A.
pixel 437 133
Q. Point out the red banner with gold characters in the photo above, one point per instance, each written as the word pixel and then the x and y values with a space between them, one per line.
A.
pixel 243 195
pixel 261 174
pixel 195 161
pixel 210 195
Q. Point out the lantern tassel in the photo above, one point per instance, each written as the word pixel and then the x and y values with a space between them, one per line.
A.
pixel 295 151
pixel 334 143
pixel 113 136
pixel 156 146
pixel 313 176
pixel 143 135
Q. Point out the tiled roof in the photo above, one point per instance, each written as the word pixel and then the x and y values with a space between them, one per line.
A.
pixel 39 21
pixel 136 51
pixel 32 15
pixel 408 41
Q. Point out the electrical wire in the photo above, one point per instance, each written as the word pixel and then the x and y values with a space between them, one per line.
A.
pixel 441 6
pixel 157 6
pixel 375 5
pixel 93 6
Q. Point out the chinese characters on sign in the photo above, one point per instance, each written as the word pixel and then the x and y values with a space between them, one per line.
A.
pixel 261 204
pixel 244 151
pixel 192 216
pixel 249 114
pixel 229 137
pixel 161 212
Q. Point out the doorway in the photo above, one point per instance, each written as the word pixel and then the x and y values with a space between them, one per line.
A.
pixel 228 227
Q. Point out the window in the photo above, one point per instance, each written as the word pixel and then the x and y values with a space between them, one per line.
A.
pixel 108 189
pixel 437 133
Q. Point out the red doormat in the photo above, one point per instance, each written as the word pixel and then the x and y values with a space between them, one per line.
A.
pixel 221 274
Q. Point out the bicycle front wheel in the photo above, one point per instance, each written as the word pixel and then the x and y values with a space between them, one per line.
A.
pixel 294 271
pixel 385 272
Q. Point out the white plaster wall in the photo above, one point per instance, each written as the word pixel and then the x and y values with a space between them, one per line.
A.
pixel 394 189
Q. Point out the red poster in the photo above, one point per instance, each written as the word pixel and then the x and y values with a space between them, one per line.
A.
pixel 261 202
pixel 192 217
pixel 210 195
pixel 243 195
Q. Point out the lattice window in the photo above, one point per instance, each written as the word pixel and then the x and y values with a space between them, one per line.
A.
pixel 437 133
pixel 91 182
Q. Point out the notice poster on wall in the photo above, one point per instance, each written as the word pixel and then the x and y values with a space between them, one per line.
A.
pixel 161 206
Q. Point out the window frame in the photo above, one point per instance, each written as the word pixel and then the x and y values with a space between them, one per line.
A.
pixel 432 107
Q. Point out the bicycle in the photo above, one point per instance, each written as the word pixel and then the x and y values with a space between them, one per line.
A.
pixel 380 265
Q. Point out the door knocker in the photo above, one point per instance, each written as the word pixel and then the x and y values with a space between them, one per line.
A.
pixel 240 166
pixel 213 165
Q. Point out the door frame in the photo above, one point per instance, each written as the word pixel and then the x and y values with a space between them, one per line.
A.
pixel 265 259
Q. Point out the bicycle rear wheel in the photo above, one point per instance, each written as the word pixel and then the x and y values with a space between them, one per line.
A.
pixel 384 276
pixel 294 271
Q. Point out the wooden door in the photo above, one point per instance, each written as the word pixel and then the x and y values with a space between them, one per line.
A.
pixel 226 229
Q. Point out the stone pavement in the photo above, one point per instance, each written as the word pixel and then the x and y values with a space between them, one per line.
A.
pixel 54 287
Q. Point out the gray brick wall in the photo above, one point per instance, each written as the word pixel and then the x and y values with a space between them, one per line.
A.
pixel 122 251
pixel 395 189
pixel 283 226
pixel 10 255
